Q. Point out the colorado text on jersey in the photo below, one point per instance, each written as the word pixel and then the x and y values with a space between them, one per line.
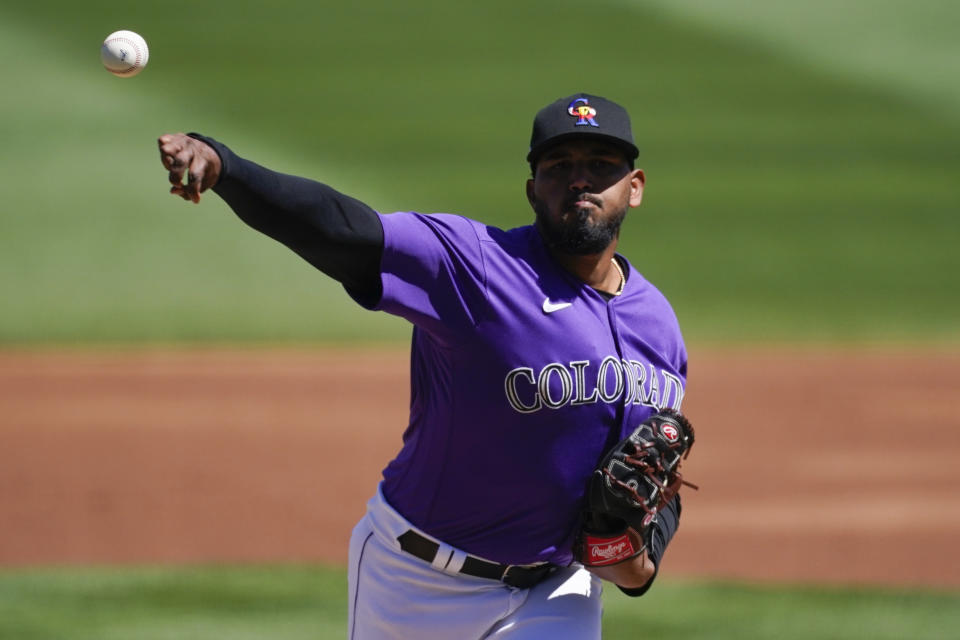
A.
pixel 557 385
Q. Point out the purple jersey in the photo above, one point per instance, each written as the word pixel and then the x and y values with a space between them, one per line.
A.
pixel 521 377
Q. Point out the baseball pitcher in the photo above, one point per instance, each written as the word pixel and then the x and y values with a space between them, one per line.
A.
pixel 542 453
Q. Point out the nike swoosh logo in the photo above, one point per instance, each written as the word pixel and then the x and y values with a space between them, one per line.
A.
pixel 550 307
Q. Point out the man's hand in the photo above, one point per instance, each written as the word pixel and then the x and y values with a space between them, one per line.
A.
pixel 632 574
pixel 182 155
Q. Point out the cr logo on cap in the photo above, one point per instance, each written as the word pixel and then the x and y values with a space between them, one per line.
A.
pixel 581 109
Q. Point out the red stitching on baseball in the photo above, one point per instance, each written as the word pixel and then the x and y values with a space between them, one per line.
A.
pixel 135 48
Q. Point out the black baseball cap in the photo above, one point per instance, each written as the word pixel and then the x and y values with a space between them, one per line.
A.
pixel 579 115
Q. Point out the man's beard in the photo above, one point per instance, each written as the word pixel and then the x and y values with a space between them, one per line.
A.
pixel 579 235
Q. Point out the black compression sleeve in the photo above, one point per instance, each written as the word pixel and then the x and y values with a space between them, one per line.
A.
pixel 666 524
pixel 337 234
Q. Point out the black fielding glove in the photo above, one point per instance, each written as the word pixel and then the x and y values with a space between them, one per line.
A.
pixel 636 479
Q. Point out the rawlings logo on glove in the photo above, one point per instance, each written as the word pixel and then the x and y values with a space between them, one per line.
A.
pixel 601 551
pixel 636 479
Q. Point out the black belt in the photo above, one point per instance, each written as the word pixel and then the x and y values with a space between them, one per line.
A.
pixel 521 577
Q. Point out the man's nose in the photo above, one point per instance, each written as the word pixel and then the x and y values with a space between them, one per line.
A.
pixel 580 179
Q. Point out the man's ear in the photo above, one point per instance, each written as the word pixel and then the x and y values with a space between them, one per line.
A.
pixel 637 182
pixel 530 197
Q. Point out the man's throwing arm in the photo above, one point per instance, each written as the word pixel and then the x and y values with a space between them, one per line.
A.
pixel 337 234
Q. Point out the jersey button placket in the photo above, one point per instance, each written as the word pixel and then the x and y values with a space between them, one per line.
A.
pixel 614 325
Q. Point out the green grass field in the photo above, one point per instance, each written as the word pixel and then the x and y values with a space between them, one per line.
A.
pixel 297 603
pixel 792 194
pixel 802 186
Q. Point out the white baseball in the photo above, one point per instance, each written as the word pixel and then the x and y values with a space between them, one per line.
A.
pixel 124 53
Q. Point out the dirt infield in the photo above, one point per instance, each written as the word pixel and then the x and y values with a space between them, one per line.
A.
pixel 814 465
